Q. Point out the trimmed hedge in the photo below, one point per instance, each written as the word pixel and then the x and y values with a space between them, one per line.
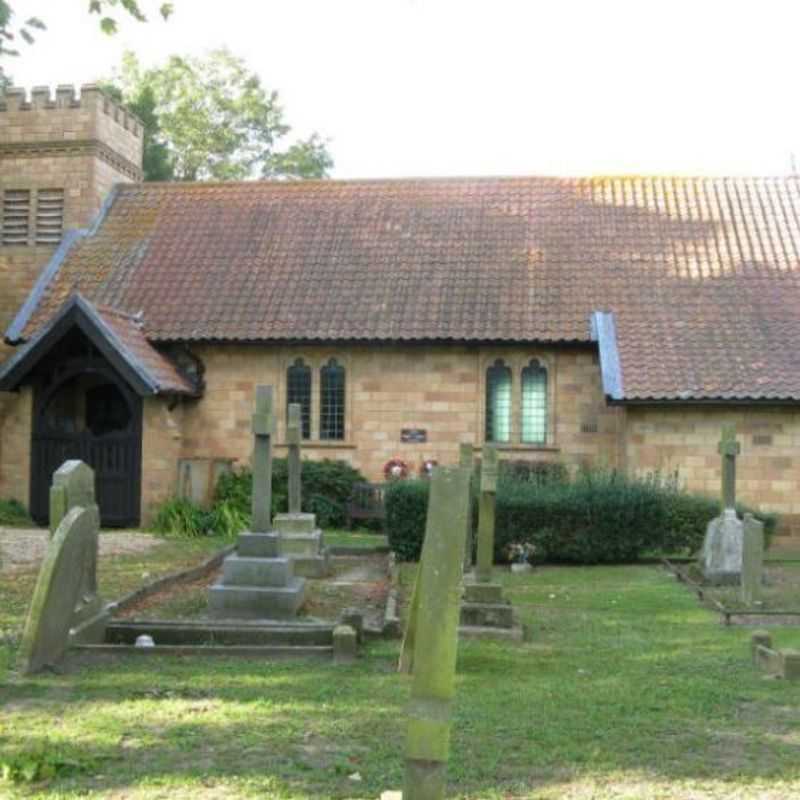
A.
pixel 599 517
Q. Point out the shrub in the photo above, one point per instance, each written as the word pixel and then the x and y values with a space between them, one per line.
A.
pixel 406 509
pixel 599 517
pixel 182 517
pixel 539 472
pixel 327 486
pixel 13 513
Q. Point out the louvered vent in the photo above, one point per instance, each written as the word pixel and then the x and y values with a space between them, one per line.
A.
pixel 16 216
pixel 49 216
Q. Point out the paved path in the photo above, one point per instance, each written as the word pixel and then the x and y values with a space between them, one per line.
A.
pixel 23 547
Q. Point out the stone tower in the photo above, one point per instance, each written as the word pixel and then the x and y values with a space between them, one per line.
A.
pixel 59 158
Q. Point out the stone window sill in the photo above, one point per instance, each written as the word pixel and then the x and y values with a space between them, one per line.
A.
pixel 322 444
pixel 523 448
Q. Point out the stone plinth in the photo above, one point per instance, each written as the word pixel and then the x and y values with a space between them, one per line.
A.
pixel 722 549
pixel 301 541
pixel 485 613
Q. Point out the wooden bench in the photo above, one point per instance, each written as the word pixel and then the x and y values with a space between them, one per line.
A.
pixel 366 503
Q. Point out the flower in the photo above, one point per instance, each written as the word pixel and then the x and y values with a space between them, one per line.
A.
pixel 521 552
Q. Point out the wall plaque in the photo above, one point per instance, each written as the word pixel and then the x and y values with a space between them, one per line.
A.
pixel 413 435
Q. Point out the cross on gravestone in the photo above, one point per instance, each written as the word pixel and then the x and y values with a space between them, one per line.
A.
pixel 293 437
pixel 73 487
pixel 435 635
pixel 263 431
pixel 729 448
pixel 486 513
pixel 58 586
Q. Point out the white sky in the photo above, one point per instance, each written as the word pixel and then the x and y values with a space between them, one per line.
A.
pixel 455 87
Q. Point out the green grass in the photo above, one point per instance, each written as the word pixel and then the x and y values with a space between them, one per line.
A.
pixel 357 538
pixel 627 689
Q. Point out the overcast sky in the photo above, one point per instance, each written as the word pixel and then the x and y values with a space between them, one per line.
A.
pixel 454 87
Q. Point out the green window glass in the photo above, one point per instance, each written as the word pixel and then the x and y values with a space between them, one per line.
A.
pixel 498 402
pixel 298 390
pixel 534 404
pixel 331 401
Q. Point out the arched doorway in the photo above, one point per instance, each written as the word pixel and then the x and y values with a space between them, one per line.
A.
pixel 88 412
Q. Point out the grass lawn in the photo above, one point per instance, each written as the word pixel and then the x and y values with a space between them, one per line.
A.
pixel 627 689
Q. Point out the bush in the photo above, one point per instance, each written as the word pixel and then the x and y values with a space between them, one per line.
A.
pixel 327 486
pixel 406 509
pixel 542 473
pixel 13 513
pixel 599 517
pixel 182 517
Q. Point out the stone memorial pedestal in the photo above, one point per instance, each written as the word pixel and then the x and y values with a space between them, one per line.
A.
pixel 302 542
pixel 485 613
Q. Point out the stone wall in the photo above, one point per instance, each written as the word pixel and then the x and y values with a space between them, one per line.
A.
pixel 16 412
pixel 683 441
pixel 438 389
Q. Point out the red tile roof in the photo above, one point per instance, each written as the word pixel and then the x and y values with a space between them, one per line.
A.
pixel 701 273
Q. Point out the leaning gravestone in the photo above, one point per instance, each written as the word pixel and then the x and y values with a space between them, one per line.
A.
pixel 722 547
pixel 435 635
pixel 466 460
pixel 73 487
pixel 58 588
pixel 752 559
pixel 258 581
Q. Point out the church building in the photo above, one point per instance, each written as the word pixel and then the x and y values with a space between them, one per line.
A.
pixel 615 321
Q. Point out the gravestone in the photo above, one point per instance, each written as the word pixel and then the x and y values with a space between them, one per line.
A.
pixel 466 460
pixel 258 581
pixel 58 587
pixel 74 487
pixel 300 538
pixel 485 613
pixel 752 559
pixel 435 635
pixel 722 548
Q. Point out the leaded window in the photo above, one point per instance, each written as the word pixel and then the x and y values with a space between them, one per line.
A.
pixel 498 402
pixel 298 390
pixel 534 403
pixel 331 401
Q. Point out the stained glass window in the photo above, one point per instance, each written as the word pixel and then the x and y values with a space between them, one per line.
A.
pixel 331 401
pixel 498 402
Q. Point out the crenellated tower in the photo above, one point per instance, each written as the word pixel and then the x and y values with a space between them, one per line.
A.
pixel 60 155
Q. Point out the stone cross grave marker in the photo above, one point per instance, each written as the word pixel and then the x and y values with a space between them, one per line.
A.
pixel 435 640
pixel 729 449
pixel 73 487
pixel 486 514
pixel 722 546
pixel 263 431
pixel 466 460
pixel 293 437
pixel 752 559
pixel 58 587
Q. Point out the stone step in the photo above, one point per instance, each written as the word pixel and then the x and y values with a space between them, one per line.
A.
pixel 475 592
pixel 221 633
pixel 295 523
pixel 250 571
pixel 487 615
pixel 92 653
pixel 301 544
pixel 312 566
pixel 256 602
pixel 258 545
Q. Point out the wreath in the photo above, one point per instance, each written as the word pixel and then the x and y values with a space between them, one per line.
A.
pixel 395 469
pixel 426 467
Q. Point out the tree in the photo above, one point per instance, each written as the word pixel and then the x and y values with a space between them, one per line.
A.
pixel 103 8
pixel 215 121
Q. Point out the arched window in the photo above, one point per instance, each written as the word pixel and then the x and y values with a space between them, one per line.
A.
pixel 498 402
pixel 331 401
pixel 534 403
pixel 298 390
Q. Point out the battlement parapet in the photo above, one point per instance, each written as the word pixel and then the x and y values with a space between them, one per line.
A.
pixel 92 98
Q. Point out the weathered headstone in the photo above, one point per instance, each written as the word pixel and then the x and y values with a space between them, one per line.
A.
pixel 263 431
pixel 722 547
pixel 752 559
pixel 258 581
pixel 293 437
pixel 486 514
pixel 466 460
pixel 74 487
pixel 50 618
pixel 435 643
